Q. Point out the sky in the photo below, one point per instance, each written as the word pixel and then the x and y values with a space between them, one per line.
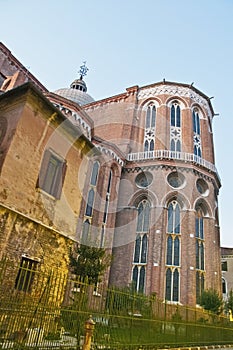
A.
pixel 133 42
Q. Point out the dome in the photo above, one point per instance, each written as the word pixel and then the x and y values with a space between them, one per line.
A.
pixel 77 91
pixel 78 96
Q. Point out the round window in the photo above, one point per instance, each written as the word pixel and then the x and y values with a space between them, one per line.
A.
pixel 202 187
pixel 176 179
pixel 144 179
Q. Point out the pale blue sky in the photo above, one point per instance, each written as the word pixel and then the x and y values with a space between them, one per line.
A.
pixel 132 42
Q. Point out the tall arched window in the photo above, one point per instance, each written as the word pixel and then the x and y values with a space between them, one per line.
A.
pixel 175 127
pixel 107 199
pixel 173 252
pixel 149 133
pixel 141 246
pixel 200 252
pixel 196 133
pixel 90 201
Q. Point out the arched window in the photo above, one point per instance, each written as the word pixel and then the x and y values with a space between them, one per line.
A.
pixel 200 281
pixel 173 252
pixel 90 199
pixel 141 246
pixel 94 174
pixel 172 285
pixel 173 217
pixel 200 252
pixel 85 231
pixel 149 133
pixel 196 133
pixel 175 127
pixel 224 286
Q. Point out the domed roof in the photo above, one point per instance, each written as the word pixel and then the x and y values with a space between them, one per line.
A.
pixel 78 89
pixel 78 96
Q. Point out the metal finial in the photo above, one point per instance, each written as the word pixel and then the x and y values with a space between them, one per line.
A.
pixel 83 70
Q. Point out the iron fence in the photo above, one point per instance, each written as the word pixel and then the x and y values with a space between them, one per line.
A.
pixel 47 310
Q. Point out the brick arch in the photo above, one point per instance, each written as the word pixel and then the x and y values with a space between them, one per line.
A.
pixel 179 197
pixel 182 101
pixel 204 205
pixel 141 194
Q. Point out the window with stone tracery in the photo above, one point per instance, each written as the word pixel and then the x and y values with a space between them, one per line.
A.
pixel 149 134
pixel 173 252
pixel 141 246
pixel 200 253
pixel 196 133
pixel 175 127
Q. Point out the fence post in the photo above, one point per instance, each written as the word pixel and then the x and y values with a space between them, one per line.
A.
pixel 89 329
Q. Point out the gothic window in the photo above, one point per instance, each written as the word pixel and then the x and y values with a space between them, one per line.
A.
pixel 175 127
pixel 224 286
pixel 141 246
pixel 200 282
pixel 196 133
pixel 173 252
pixel 200 253
pixel 52 174
pixel 172 284
pixel 149 133
pixel 90 201
pixel 107 199
pixel 26 274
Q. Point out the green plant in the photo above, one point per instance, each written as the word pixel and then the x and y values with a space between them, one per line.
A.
pixel 211 301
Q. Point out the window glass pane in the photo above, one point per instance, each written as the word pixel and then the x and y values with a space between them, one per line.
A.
pixel 178 146
pixel 169 250
pixel 177 219
pixel 148 116
pixel 197 288
pixel 146 146
pixel 178 116
pixel 137 249
pixel 198 124
pixel 153 116
pixel 142 279
pixel 224 289
pixel 173 115
pixel 86 227
pixel 170 218
pixel 144 249
pixel 202 256
pixel 177 252
pixel 168 284
pixel 26 274
pixel 176 285
pixel 173 147
pixel 201 228
pixel 140 218
pixel 197 227
pixel 194 122
pixel 146 214
pixel 199 152
pixel 135 277
pixel 109 182
pixel 90 201
pixel 197 254
pixel 152 145
pixel 94 174
pixel 202 283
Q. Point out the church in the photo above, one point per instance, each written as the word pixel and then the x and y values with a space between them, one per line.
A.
pixel 132 173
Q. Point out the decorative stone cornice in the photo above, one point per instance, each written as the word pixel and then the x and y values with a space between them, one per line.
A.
pixel 110 153
pixel 75 118
pixel 175 90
